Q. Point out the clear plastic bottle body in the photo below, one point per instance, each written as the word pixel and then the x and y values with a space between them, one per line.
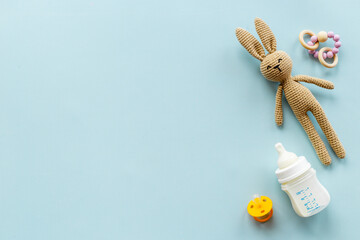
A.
pixel 308 196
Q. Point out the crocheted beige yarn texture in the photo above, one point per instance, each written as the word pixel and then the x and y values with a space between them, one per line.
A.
pixel 276 66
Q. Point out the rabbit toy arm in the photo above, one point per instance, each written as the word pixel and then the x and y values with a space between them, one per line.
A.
pixel 317 81
pixel 278 106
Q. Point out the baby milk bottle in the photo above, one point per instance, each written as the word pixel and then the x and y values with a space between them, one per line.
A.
pixel 299 181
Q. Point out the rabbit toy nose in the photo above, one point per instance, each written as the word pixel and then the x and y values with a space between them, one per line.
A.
pixel 278 67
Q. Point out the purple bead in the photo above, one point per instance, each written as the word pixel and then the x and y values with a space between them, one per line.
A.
pixel 314 39
pixel 336 37
pixel 335 50
pixel 324 55
pixel 330 34
pixel 311 51
pixel 330 54
pixel 337 44
pixel 316 54
pixel 310 43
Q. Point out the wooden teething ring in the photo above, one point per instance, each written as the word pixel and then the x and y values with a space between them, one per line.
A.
pixel 323 62
pixel 303 43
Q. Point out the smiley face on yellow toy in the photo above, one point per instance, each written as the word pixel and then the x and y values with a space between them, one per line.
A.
pixel 260 208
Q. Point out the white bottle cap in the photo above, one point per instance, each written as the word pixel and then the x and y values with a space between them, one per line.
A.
pixel 290 166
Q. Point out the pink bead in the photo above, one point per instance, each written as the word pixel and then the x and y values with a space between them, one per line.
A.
pixel 314 39
pixel 336 37
pixel 330 34
pixel 310 43
pixel 330 54
pixel 316 54
pixel 337 44
pixel 311 51
pixel 324 56
pixel 335 50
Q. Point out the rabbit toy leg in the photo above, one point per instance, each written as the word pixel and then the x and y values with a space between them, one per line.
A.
pixel 328 130
pixel 315 139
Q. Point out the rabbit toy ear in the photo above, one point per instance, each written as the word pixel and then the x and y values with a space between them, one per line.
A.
pixel 250 43
pixel 266 35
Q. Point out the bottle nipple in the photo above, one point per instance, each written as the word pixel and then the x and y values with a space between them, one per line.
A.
pixel 285 158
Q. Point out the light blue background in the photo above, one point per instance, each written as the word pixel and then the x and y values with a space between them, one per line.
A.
pixel 141 120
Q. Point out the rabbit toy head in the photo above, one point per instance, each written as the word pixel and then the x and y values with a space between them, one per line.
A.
pixel 276 65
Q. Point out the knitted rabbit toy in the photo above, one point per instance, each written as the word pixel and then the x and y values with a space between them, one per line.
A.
pixel 276 66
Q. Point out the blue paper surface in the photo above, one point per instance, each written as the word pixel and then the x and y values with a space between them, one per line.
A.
pixel 140 120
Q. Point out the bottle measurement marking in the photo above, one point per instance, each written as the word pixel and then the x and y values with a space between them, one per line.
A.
pixel 309 202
